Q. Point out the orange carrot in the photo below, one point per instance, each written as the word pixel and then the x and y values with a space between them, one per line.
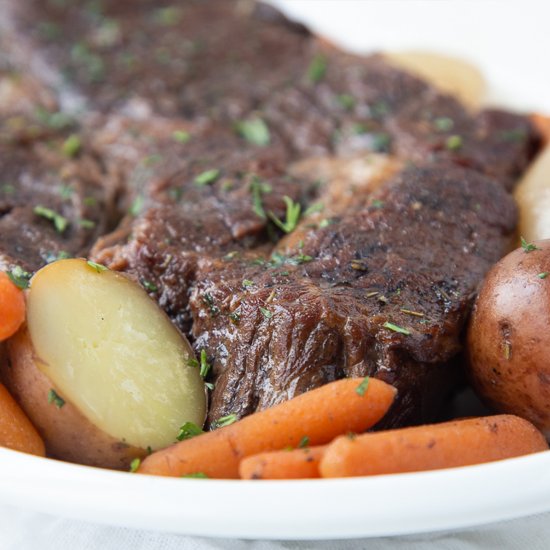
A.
pixel 349 405
pixel 12 307
pixel 16 430
pixel 542 123
pixel 431 447
pixel 291 464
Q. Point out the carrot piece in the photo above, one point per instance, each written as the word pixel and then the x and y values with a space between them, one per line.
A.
pixel 16 430
pixel 320 415
pixel 291 464
pixel 12 307
pixel 431 447
pixel 542 123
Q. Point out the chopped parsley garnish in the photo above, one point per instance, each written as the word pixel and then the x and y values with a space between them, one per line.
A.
pixel 71 146
pixel 317 69
pixel 346 101
pixel 247 282
pixel 325 223
pixel 231 255
pixel 453 143
pixel 209 301
pixel 410 312
pixel 376 203
pixel 396 328
pixel 543 275
pixel 134 465
pixel 314 208
pixel 304 442
pixel 96 267
pixel 362 387
pixel 189 430
pixel 196 475
pixel 235 318
pixel 257 189
pixel 207 177
pixel 209 385
pixel 205 365
pixel 55 398
pixel 192 362
pixel 293 210
pixel 266 313
pixel 528 247
pixel 149 286
pixel 65 191
pixel 50 257
pixel 86 224
pixel 254 130
pixel 181 136
pixel 137 206
pixel 443 124
pixel 19 277
pixel 60 223
pixel 225 421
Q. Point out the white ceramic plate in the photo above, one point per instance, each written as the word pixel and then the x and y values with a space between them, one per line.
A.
pixel 508 41
pixel 308 509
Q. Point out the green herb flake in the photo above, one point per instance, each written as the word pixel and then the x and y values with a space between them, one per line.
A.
pixel 71 146
pixel 443 124
pixel 208 177
pixel 225 421
pixel 65 191
pixel 395 328
pixel 55 398
pixel 188 431
pixel 543 275
pixel 362 387
pixel 528 247
pixel 317 69
pixel 19 277
pixel 255 131
pixel 247 282
pixel 266 313
pixel 89 201
pixel 192 362
pixel 208 300
pixel 304 442
pixel 453 143
pixel 235 318
pixel 135 464
pixel 376 203
pixel 149 286
pixel 86 224
pixel 137 206
pixel 96 267
pixel 60 223
pixel 181 136
pixel 346 101
pixel 209 385
pixel 293 211
pixel 257 189
pixel 205 365
pixel 195 475
pixel 325 223
pixel 314 208
pixel 410 312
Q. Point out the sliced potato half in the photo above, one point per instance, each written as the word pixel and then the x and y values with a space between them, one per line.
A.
pixel 111 352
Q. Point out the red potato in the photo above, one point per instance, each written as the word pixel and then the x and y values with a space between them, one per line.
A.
pixel 432 447
pixel 320 415
pixel 508 347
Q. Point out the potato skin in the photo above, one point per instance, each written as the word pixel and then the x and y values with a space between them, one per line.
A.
pixel 67 433
pixel 508 344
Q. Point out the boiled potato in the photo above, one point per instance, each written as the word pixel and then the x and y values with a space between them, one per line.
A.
pixel 508 344
pixel 114 359
pixel 533 198
pixel 449 74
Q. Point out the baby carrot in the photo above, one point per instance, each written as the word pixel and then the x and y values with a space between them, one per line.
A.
pixel 349 405
pixel 12 307
pixel 431 447
pixel 16 430
pixel 291 464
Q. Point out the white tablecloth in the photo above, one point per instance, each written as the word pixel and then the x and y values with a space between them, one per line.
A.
pixel 22 530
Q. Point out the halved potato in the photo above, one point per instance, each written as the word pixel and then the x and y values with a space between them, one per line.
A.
pixel 449 74
pixel 108 351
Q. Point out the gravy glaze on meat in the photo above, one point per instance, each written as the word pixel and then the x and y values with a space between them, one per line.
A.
pixel 200 124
